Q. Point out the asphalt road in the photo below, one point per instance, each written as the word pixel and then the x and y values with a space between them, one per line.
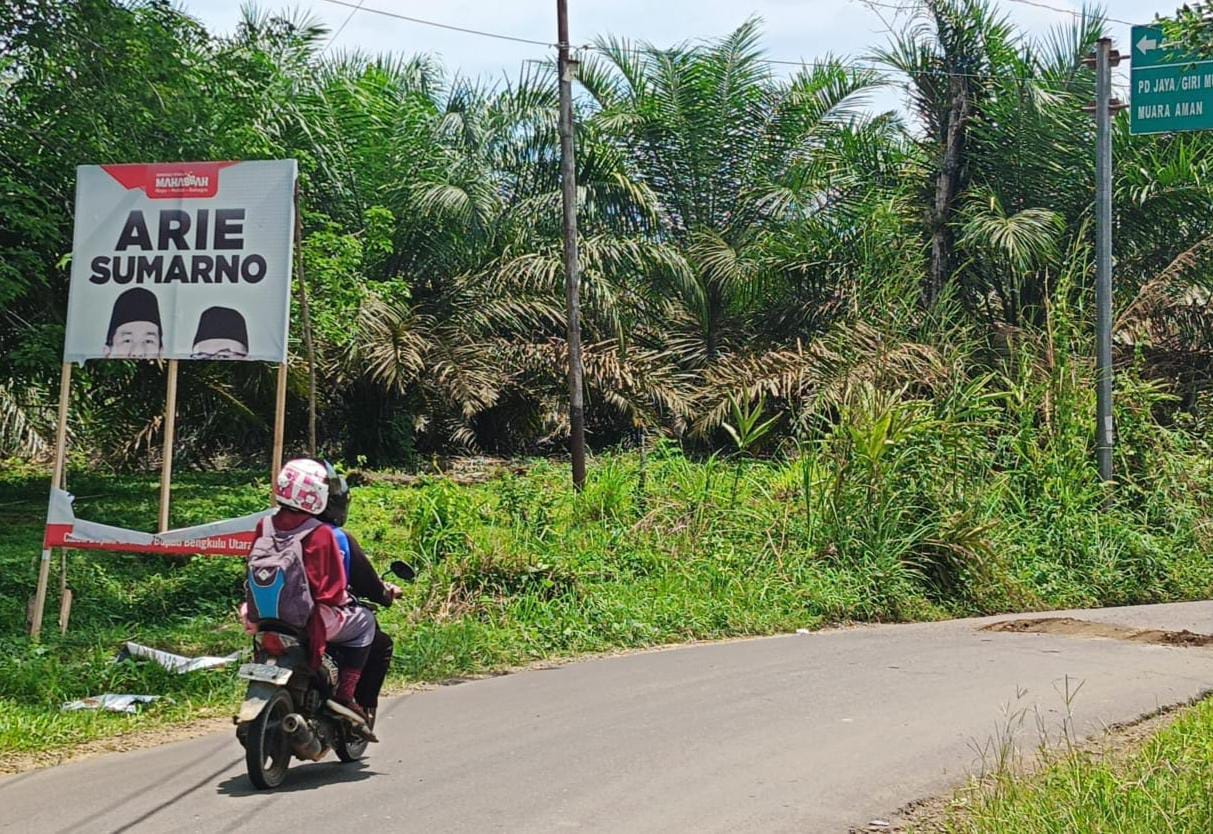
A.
pixel 805 733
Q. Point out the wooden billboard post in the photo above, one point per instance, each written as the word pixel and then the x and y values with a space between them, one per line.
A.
pixel 44 565
pixel 306 320
pixel 283 368
pixel 65 593
pixel 170 426
pixel 279 425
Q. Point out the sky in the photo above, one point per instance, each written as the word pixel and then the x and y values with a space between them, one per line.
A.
pixel 794 30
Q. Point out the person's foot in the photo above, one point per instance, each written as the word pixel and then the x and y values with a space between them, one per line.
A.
pixel 359 710
pixel 356 715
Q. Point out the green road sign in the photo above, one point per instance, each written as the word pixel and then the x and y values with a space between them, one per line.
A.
pixel 1171 90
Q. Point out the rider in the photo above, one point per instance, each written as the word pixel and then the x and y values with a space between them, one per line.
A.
pixel 302 491
pixel 365 584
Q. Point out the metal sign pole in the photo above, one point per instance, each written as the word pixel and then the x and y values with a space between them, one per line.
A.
pixel 1104 437
pixel 44 566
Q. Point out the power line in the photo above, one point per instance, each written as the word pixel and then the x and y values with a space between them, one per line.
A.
pixel 1063 10
pixel 341 28
pixel 447 26
pixel 851 64
pixel 816 64
pixel 905 8
pixel 896 7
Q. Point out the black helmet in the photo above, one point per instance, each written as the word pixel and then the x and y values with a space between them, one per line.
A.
pixel 338 508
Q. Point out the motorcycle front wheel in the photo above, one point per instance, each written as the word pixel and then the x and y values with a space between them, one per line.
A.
pixel 267 752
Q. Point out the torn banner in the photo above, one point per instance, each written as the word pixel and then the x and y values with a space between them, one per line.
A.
pixel 233 537
pixel 174 662
pixel 111 702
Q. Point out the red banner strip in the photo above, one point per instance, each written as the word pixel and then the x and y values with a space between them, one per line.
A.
pixel 170 180
pixel 224 544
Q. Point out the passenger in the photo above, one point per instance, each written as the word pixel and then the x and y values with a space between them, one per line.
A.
pixel 302 492
pixel 365 584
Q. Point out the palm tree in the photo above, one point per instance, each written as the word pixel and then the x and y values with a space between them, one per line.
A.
pixel 951 52
pixel 478 345
pixel 732 156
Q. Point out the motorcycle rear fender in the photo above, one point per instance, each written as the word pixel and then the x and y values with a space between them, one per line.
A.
pixel 256 697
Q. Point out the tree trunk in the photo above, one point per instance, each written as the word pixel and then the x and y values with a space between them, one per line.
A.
pixel 947 185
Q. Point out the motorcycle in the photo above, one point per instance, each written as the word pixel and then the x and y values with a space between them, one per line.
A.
pixel 287 709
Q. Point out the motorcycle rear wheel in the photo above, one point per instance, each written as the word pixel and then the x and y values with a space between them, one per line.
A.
pixel 349 746
pixel 267 751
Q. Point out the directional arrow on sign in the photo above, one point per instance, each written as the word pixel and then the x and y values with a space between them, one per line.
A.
pixel 1169 93
pixel 1147 45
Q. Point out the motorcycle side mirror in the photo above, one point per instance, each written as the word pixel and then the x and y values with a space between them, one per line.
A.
pixel 403 570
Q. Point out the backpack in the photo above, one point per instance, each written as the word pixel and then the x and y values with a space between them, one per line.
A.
pixel 277 587
pixel 343 544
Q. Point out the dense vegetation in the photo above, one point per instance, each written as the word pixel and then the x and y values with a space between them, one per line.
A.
pixel 837 362
pixel 904 511
pixel 745 231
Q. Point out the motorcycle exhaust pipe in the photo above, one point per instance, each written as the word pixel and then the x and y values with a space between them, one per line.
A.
pixel 303 741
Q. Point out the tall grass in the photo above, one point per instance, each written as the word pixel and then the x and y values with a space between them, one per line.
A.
pixel 1161 787
pixel 975 494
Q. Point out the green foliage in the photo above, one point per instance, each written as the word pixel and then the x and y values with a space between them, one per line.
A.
pixel 760 275
pixel 1163 786
pixel 745 430
pixel 975 496
pixel 744 233
pixel 1190 29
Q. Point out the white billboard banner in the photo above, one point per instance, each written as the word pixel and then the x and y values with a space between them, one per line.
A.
pixel 230 537
pixel 188 260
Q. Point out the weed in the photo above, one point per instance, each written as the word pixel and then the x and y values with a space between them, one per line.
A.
pixel 1162 785
pixel 896 508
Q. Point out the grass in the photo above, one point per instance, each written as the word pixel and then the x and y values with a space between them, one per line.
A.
pixel 1161 786
pixel 978 500
pixel 521 568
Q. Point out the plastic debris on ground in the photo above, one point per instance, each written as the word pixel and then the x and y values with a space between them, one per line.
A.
pixel 110 702
pixel 174 662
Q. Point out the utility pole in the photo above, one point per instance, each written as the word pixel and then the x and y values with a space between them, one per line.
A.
pixel 1105 107
pixel 568 186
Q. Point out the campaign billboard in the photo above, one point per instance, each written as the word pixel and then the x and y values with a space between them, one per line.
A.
pixel 182 260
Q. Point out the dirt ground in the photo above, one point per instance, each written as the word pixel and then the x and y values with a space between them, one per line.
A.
pixel 1071 627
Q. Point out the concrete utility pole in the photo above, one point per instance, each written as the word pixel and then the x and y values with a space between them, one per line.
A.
pixel 568 186
pixel 1105 107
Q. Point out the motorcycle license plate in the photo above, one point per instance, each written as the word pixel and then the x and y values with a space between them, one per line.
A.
pixel 265 673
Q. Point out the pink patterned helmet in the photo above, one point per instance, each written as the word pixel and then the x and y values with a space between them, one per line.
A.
pixel 303 484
